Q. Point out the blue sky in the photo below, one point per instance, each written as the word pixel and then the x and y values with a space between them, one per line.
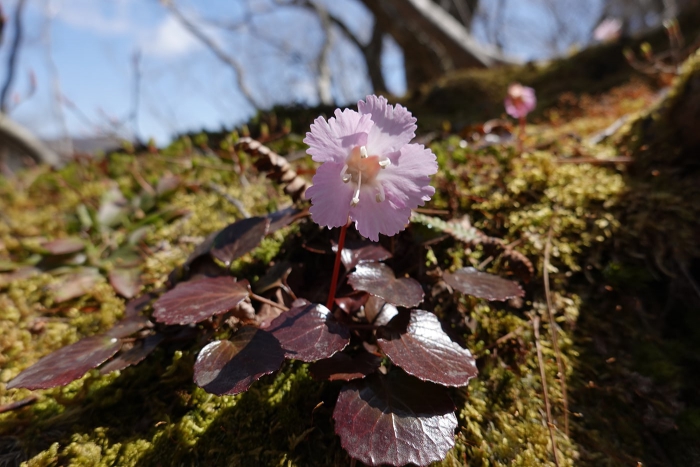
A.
pixel 90 44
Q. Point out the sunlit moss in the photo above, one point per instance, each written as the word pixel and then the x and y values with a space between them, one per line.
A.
pixel 153 414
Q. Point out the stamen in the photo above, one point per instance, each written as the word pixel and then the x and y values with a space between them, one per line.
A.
pixel 356 196
pixel 363 152
pixel 380 194
pixel 344 175
pixel 384 163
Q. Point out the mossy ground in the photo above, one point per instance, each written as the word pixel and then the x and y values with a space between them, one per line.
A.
pixel 627 332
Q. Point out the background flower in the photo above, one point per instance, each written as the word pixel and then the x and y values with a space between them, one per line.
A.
pixel 520 100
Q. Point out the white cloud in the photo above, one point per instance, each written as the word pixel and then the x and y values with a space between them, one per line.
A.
pixel 169 40
pixel 103 17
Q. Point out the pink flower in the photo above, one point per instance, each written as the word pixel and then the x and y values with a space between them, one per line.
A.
pixel 520 100
pixel 608 30
pixel 370 173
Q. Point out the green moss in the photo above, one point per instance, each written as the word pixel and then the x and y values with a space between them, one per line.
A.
pixel 625 379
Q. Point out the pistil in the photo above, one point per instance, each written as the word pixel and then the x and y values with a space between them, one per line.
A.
pixel 380 196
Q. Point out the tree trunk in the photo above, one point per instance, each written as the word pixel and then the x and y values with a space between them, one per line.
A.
pixel 16 137
pixel 432 39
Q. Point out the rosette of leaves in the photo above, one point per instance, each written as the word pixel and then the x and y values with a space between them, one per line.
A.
pixel 393 359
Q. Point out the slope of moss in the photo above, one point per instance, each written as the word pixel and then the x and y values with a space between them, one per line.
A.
pixel 627 352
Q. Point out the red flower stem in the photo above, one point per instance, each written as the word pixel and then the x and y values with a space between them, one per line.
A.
pixel 336 267
pixel 521 134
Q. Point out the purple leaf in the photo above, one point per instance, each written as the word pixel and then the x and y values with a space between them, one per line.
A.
pixel 353 302
pixel 126 281
pixel 395 419
pixel 205 266
pixel 75 285
pixel 200 250
pixel 67 364
pixel 378 279
pixel 309 333
pixel 482 285
pixel 239 238
pixel 64 246
pixel 379 312
pixel 136 305
pixel 128 326
pixel 283 218
pixel 422 349
pixel 343 367
pixel 231 366
pixel 276 276
pixel 142 349
pixel 18 275
pixel 198 300
pixel 355 253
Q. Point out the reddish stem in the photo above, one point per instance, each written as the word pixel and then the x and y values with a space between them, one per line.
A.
pixel 521 134
pixel 336 267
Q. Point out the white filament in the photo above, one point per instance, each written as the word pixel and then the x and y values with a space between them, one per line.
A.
pixel 343 174
pixel 356 196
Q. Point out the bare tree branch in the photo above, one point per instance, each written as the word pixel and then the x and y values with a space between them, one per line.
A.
pixel 324 79
pixel 3 20
pixel 66 145
pixel 371 51
pixel 497 25
pixel 14 54
pixel 135 94
pixel 465 12
pixel 373 57
pixel 216 50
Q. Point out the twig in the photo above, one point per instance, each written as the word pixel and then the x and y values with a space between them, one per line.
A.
pixel 267 301
pixel 548 408
pixel 14 53
pixel 188 163
pixel 3 20
pixel 136 94
pixel 66 141
pixel 244 212
pixel 501 340
pixel 434 212
pixel 216 50
pixel 484 263
pixel 561 368
pixel 594 161
pixel 142 182
pixel 689 278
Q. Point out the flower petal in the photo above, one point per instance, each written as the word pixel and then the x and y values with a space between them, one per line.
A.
pixel 523 104
pixel 333 140
pixel 393 126
pixel 373 218
pixel 406 181
pixel 330 197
